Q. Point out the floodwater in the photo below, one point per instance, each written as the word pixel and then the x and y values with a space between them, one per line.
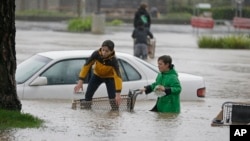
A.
pixel 226 72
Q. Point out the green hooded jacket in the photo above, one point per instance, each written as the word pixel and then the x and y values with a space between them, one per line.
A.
pixel 171 101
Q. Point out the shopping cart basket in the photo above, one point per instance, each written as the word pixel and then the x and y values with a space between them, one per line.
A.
pixel 104 103
pixel 236 113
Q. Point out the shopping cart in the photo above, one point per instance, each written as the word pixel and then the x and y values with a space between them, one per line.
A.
pixel 235 113
pixel 151 48
pixel 104 103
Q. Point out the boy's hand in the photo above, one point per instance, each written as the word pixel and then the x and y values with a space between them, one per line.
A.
pixel 78 86
pixel 142 90
pixel 118 99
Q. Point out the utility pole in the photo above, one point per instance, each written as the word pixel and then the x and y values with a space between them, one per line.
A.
pixel 98 11
pixel 239 7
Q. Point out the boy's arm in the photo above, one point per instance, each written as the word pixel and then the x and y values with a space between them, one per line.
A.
pixel 150 34
pixel 86 67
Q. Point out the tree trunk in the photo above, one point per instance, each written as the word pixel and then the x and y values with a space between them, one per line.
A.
pixel 8 94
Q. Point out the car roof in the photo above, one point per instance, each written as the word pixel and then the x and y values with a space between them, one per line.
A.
pixel 65 54
pixel 73 53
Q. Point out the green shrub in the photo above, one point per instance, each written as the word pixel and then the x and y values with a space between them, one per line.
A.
pixel 16 119
pixel 177 16
pixel 228 12
pixel 236 42
pixel 223 13
pixel 115 22
pixel 208 42
pixel 227 42
pixel 80 24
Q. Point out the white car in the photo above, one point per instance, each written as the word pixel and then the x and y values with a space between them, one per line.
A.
pixel 53 75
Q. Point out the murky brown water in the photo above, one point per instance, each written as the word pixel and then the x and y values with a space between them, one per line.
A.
pixel 227 75
pixel 63 123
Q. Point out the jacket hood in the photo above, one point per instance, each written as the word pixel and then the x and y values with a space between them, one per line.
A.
pixel 171 71
pixel 142 11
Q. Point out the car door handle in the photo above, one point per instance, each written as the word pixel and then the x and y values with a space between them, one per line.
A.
pixel 80 92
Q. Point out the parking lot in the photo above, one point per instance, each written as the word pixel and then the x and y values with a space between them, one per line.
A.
pixel 226 73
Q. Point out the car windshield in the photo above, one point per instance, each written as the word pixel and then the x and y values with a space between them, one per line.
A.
pixel 29 67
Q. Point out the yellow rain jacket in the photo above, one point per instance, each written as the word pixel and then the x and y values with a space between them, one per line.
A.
pixel 103 67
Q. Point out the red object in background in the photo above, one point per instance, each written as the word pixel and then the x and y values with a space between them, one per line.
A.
pixel 239 22
pixel 202 22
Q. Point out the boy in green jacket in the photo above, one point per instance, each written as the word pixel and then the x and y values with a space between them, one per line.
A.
pixel 167 86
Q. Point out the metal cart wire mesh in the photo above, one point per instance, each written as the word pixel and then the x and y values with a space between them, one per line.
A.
pixel 104 103
pixel 236 113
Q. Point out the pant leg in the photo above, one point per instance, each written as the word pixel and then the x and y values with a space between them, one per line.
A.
pixel 144 48
pixel 110 84
pixel 141 51
pixel 137 50
pixel 93 84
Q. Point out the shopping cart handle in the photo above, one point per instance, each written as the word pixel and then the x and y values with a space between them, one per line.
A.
pixel 134 92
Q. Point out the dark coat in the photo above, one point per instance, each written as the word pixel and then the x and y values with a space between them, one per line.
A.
pixel 142 12
pixel 141 34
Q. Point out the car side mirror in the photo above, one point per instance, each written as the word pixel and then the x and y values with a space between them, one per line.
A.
pixel 39 81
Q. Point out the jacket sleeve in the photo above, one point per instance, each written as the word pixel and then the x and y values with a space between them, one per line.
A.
pixel 150 34
pixel 175 87
pixel 149 19
pixel 133 34
pixel 135 19
pixel 150 88
pixel 117 77
pixel 167 90
pixel 87 66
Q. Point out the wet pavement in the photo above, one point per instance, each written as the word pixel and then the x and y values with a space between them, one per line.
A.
pixel 226 72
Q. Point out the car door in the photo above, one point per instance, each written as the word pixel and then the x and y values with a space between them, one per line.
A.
pixel 61 78
pixel 136 74
pixel 132 78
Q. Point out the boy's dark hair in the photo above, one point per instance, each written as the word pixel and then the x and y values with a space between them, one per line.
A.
pixel 167 60
pixel 110 44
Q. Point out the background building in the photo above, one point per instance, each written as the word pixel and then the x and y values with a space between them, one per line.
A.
pixel 119 8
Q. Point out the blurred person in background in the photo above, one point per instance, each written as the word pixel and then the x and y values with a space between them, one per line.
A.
pixel 142 15
pixel 141 37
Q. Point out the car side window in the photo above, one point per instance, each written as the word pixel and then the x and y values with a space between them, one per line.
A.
pixel 128 72
pixel 64 72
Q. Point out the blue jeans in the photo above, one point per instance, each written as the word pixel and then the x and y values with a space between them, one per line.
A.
pixel 95 81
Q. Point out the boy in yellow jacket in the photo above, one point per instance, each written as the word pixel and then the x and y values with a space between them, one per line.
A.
pixel 106 71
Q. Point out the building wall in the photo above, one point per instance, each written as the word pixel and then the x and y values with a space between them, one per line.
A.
pixel 90 6
pixel 37 5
